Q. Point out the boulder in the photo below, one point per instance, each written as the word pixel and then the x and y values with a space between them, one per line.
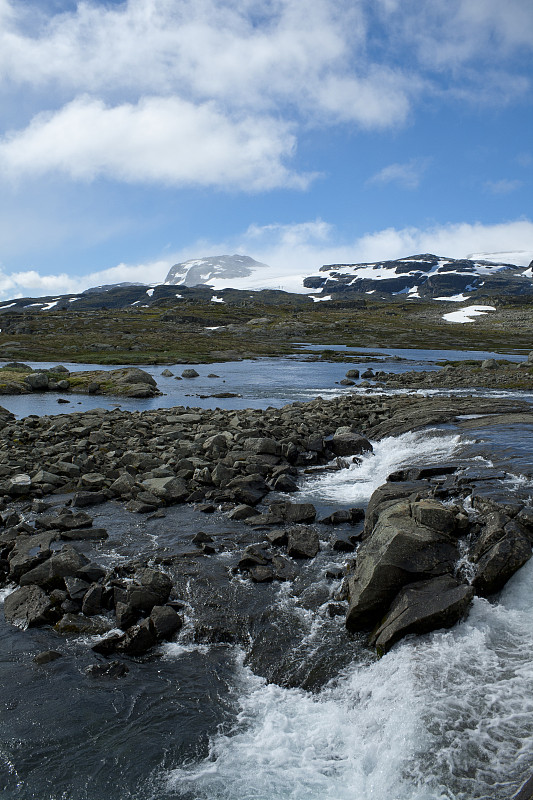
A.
pixel 27 607
pixel 164 622
pixel 434 515
pixel 387 494
pixel 28 552
pixel 423 607
pixel 500 562
pixel 292 512
pixel 399 552
pixel 18 485
pixel 50 573
pixel 349 444
pixel 302 542
pixel 190 373
pixel 37 381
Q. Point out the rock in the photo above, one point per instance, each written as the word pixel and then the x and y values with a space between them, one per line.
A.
pixel 170 488
pixel 115 669
pixel 352 373
pixel 37 381
pixel 167 373
pixel 123 485
pixel 190 373
pixel 18 485
pixel 50 573
pixel 284 483
pixel 262 574
pixel 83 499
pixel 489 363
pixel 92 600
pixel 27 607
pixel 28 552
pixel 385 495
pixel 423 607
pixel 292 512
pixel 526 790
pixel 85 534
pixel 137 640
pixel 302 542
pixel 164 622
pixel 348 444
pixel 76 588
pixel 249 490
pixel 156 581
pixel 277 537
pixel 242 512
pixel 254 555
pixel 79 624
pixel 46 657
pixel 500 562
pixel 434 515
pixel 399 552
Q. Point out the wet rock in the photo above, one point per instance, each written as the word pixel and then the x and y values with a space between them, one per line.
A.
pixel 277 537
pixel 164 622
pixel 137 640
pixel 254 555
pixel 352 373
pixel 500 562
pixel 434 515
pixel 388 494
pixel 83 499
pixel 242 512
pixel 249 490
pixel 37 381
pixel 302 542
pixel 399 552
pixel 115 669
pixel 423 607
pixel 85 534
pixel 92 600
pixel 190 373
pixel 284 483
pixel 292 512
pixel 50 573
pixel 76 588
pixel 28 607
pixel 46 657
pixel 80 624
pixel 28 552
pixel 262 573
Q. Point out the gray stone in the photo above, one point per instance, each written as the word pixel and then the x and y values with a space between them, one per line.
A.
pixel 37 381
pixel 190 373
pixel 302 542
pixel 27 607
pixel 18 485
pixel 50 573
pixel 434 515
pixel 423 607
pixel 92 600
pixel 349 444
pixel 499 563
pixel 46 657
pixel 28 552
pixel 164 622
pixel 399 552
pixel 292 512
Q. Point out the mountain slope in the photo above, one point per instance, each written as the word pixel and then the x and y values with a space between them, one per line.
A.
pixel 424 276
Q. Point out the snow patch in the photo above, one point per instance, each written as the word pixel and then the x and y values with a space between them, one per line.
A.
pixel 149 292
pixel 467 314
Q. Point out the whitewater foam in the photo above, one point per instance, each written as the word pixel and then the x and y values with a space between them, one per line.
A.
pixel 355 484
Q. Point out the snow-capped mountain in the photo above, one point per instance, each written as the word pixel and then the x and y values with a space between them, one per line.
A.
pixel 226 270
pixel 426 276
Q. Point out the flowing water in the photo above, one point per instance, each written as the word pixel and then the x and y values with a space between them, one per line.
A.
pixel 283 704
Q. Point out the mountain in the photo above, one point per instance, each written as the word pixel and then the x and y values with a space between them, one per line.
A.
pixel 426 276
pixel 223 271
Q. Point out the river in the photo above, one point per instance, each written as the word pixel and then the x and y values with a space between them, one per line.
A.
pixel 292 706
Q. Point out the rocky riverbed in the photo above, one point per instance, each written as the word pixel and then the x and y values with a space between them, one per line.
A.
pixel 422 551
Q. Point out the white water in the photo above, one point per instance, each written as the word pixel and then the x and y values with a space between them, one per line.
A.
pixel 356 484
pixel 448 715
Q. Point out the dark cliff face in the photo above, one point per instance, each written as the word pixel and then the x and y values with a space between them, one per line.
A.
pixel 426 276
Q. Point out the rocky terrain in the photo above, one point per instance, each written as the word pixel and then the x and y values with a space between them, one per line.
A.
pixel 424 549
pixel 17 378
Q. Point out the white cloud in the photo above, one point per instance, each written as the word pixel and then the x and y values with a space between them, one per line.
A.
pixel 408 175
pixel 504 186
pixel 293 251
pixel 163 140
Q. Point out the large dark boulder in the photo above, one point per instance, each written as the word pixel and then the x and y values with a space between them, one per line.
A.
pixel 292 512
pixel 28 552
pixel 27 607
pixel 349 444
pixel 423 607
pixel 302 542
pixel 50 574
pixel 399 552
pixel 387 494
pixel 500 562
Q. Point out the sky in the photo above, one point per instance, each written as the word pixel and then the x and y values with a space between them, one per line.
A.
pixel 135 134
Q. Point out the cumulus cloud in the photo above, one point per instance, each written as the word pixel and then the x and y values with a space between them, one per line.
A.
pixel 163 140
pixel 293 251
pixel 408 175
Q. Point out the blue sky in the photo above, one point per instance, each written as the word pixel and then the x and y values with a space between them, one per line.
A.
pixel 301 132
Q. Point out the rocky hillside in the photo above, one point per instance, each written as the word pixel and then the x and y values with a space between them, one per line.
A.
pixel 214 268
pixel 426 276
